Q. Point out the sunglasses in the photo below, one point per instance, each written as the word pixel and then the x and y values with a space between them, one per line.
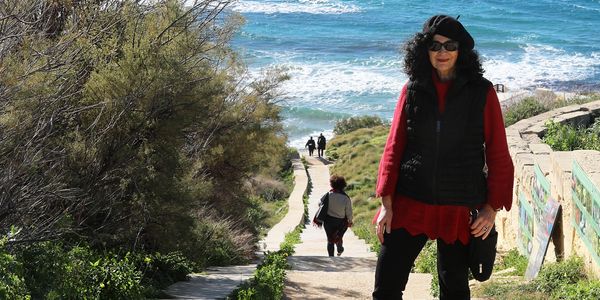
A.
pixel 449 46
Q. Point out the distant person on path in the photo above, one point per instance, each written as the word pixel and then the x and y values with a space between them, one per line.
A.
pixel 321 142
pixel 447 127
pixel 311 146
pixel 339 214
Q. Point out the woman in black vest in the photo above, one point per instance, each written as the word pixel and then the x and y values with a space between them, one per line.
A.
pixel 445 155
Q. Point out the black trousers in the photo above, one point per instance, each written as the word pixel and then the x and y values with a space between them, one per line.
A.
pixel 335 229
pixel 397 256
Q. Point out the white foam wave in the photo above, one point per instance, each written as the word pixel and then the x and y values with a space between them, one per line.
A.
pixel 300 141
pixel 298 6
pixel 585 7
pixel 332 84
pixel 540 65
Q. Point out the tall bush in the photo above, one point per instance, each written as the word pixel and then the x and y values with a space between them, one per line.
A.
pixel 124 123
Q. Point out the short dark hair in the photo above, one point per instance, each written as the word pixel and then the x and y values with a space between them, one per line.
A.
pixel 337 182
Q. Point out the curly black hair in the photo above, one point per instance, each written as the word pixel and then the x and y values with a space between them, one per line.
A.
pixel 418 67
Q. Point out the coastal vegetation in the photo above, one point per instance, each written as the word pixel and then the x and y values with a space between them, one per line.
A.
pixel 134 147
pixel 532 106
pixel 565 137
pixel 353 123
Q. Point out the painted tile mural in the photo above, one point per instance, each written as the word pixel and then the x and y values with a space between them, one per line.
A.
pixel 586 207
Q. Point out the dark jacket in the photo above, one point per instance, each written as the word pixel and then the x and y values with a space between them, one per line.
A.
pixel 321 141
pixel 444 159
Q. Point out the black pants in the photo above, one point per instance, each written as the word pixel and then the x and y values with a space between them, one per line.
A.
pixel 335 229
pixel 320 151
pixel 398 253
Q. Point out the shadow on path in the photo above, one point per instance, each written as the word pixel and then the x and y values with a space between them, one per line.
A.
pixel 332 264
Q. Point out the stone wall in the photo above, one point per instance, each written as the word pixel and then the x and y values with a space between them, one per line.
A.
pixel 527 150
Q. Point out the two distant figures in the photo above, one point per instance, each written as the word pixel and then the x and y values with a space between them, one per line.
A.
pixel 320 145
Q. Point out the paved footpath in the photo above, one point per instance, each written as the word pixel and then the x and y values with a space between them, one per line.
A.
pixel 315 275
pixel 218 282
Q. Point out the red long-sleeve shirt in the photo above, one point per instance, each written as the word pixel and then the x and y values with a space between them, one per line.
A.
pixel 448 222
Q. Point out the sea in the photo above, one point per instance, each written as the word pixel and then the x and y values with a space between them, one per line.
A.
pixel 344 57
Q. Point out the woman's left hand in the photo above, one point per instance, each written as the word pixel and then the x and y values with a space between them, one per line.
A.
pixel 484 222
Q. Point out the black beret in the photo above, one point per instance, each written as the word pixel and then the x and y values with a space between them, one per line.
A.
pixel 450 28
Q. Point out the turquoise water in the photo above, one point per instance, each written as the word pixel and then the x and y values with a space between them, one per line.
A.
pixel 344 58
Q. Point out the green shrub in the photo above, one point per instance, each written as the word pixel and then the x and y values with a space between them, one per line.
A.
pixel 512 259
pixel 53 272
pixel 556 275
pixel 348 125
pixel 526 108
pixel 563 137
pixel 291 239
pixel 12 284
pixel 161 270
pixel 44 265
pixel 268 280
pixel 585 290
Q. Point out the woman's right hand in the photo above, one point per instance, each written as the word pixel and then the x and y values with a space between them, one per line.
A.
pixel 384 220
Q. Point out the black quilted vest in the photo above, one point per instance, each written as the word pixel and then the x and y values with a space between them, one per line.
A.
pixel 443 162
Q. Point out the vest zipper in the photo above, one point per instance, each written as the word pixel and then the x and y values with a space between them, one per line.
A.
pixel 438 128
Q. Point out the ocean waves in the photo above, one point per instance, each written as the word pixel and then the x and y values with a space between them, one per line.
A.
pixel 543 66
pixel 343 60
pixel 335 85
pixel 294 7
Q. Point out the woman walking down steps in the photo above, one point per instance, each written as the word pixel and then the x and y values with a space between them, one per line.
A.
pixel 314 275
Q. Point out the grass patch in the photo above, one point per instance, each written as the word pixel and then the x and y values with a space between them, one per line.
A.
pixel 560 280
pixel 511 259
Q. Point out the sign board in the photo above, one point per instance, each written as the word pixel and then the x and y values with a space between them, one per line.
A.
pixel 525 231
pixel 586 210
pixel 540 193
pixel 542 237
